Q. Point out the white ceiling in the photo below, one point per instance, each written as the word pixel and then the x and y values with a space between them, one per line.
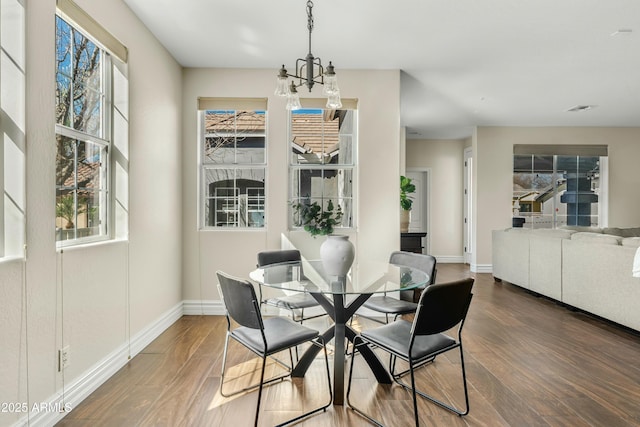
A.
pixel 464 62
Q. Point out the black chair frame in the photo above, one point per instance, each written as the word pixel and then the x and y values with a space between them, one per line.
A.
pixel 426 340
pixel 245 311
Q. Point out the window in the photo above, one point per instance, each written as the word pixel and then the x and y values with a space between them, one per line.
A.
pixel 233 164
pixel 322 162
pixel 554 190
pixel 82 135
pixel 91 164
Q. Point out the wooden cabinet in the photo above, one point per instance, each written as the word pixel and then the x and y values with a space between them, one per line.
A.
pixel 412 242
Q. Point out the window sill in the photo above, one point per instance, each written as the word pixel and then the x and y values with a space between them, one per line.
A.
pixel 90 244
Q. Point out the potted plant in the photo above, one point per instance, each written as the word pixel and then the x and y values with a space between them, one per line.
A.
pixel 317 221
pixel 406 188
pixel 337 252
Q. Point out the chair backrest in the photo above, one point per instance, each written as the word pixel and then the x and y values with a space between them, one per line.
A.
pixel 277 257
pixel 422 262
pixel 240 300
pixel 284 256
pixel 442 306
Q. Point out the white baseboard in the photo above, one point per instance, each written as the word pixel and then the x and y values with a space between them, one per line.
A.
pixel 201 307
pixel 449 259
pixel 475 268
pixel 481 268
pixel 49 412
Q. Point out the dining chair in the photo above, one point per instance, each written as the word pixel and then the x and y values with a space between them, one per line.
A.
pixel 441 307
pixel 407 303
pixel 294 303
pixel 264 337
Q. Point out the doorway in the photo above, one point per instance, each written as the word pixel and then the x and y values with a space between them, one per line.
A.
pixel 468 205
pixel 420 177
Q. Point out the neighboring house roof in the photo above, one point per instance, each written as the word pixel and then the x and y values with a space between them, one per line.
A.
pixel 309 130
pixel 88 175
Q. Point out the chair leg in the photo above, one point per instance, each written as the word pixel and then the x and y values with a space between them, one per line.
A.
pixel 224 362
pixel 324 407
pixel 434 400
pixel 254 386
pixel 299 320
pixel 264 363
pixel 392 366
pixel 464 383
pixel 326 361
pixel 291 357
pixel 356 410
pixel 413 392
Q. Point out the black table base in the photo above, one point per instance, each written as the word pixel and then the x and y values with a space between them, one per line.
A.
pixel 340 314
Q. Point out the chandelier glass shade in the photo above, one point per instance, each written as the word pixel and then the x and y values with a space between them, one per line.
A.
pixel 309 71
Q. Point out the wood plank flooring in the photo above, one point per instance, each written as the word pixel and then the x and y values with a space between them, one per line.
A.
pixel 530 362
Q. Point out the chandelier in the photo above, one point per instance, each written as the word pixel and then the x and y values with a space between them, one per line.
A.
pixel 309 71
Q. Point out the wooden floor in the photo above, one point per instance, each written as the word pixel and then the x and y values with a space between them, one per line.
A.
pixel 530 362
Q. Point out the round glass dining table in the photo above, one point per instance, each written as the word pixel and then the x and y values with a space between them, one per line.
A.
pixel 340 296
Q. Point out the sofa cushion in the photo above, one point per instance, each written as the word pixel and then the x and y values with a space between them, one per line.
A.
pixel 581 228
pixel 633 242
pixel 608 239
pixel 553 232
pixel 518 230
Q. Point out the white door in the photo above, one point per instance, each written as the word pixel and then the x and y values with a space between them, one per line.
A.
pixel 420 207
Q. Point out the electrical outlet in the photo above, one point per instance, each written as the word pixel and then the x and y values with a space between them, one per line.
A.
pixel 63 358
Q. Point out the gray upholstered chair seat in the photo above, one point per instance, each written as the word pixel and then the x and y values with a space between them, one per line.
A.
pixel 396 337
pixel 293 302
pixel 385 304
pixel 281 333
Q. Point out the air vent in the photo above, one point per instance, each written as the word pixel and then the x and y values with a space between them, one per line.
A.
pixel 579 108
pixel 623 32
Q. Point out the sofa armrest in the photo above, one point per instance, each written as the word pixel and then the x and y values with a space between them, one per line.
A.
pixel 510 256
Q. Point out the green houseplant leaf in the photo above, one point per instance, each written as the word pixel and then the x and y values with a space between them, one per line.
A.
pixel 406 188
pixel 315 220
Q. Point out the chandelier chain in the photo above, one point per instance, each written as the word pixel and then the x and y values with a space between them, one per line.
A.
pixel 310 20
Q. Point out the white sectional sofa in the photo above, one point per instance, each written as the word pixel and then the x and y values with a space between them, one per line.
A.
pixel 587 268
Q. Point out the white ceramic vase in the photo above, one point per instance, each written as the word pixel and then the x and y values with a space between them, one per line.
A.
pixel 337 254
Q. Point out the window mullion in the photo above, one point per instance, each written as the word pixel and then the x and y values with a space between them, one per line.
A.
pixel 75 190
pixel 72 80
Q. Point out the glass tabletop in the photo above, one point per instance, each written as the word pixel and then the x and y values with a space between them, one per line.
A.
pixel 365 277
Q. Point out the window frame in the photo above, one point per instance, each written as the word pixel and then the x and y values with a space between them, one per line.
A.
pixel 295 168
pixel 238 167
pixel 103 140
pixel 544 161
